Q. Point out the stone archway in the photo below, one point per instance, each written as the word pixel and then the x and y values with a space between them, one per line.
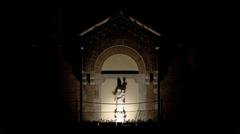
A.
pixel 137 79
pixel 120 49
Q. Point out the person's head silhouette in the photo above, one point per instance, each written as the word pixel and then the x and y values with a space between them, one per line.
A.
pixel 124 79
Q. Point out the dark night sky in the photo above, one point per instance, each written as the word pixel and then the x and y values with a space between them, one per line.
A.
pixel 28 74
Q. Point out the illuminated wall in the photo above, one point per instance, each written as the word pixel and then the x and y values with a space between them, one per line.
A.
pixel 119 62
pixel 107 98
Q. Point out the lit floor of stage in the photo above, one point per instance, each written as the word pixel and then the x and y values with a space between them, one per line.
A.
pixel 120 125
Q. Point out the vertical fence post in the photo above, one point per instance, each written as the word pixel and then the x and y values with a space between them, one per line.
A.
pixel 158 84
pixel 81 84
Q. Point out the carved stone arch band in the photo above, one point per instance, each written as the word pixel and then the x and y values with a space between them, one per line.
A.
pixel 120 49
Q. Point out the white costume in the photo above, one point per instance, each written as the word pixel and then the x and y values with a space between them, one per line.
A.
pixel 119 111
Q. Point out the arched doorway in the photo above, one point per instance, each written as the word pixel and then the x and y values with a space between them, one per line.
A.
pixel 119 62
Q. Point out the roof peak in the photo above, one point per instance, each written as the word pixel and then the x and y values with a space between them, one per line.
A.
pixel 116 16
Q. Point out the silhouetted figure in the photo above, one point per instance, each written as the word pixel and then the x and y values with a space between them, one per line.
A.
pixel 118 86
pixel 120 113
pixel 124 85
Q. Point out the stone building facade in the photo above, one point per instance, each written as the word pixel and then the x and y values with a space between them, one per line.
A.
pixel 119 35
pixel 124 35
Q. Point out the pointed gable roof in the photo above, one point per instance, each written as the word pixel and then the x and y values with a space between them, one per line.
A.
pixel 131 19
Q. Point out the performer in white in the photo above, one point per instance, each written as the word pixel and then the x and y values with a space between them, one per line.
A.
pixel 120 113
